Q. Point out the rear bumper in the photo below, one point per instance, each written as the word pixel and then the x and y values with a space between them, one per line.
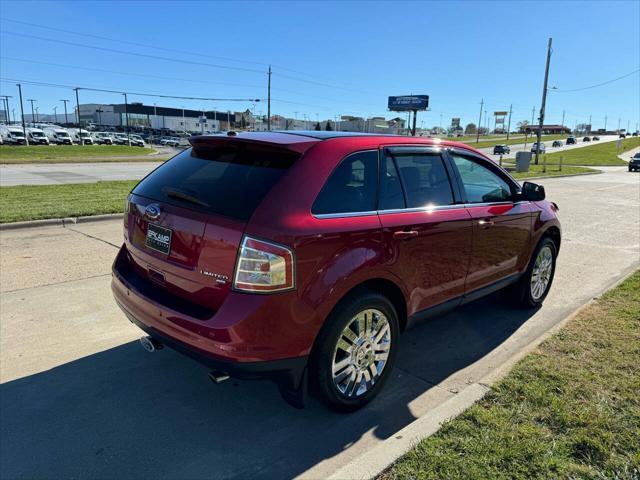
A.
pixel 228 340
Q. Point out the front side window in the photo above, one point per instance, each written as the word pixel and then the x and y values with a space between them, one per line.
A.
pixel 351 187
pixel 425 180
pixel 481 185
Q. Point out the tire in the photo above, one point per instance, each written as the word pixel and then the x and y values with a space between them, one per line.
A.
pixel 524 293
pixel 345 394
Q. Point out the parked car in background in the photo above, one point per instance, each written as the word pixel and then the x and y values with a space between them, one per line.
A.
pixel 538 147
pixel 137 141
pixel 634 163
pixel 586 139
pixel 301 257
pixel 58 135
pixel 571 140
pixel 81 137
pixel 596 139
pixel 622 135
pixel 501 150
pixel 12 135
pixel 104 138
pixel 170 141
pixel 120 138
pixel 37 136
pixel 557 143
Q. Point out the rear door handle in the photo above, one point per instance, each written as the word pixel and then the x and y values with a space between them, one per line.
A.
pixel 485 222
pixel 405 234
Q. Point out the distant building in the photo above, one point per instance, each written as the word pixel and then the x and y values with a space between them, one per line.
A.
pixel 546 129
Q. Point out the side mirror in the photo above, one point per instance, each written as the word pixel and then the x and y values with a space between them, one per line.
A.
pixel 532 192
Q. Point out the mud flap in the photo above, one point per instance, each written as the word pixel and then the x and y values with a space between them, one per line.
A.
pixel 293 386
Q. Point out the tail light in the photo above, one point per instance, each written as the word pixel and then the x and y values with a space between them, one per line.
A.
pixel 264 267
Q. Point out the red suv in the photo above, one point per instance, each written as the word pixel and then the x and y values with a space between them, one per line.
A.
pixel 302 256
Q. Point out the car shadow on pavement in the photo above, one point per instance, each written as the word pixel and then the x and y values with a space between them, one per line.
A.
pixel 123 413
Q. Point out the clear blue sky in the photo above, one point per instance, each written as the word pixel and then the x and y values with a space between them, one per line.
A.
pixel 333 58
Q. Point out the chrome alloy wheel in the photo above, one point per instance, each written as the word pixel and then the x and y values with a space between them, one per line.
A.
pixel 361 353
pixel 541 274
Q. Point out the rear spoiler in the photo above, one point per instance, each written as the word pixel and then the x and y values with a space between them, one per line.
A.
pixel 264 140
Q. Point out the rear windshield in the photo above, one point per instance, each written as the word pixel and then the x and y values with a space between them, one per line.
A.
pixel 228 181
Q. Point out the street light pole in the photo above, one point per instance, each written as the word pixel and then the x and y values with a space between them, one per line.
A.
pixel 33 117
pixel 55 114
pixel 126 117
pixel 78 118
pixel 66 118
pixel 509 125
pixel 37 115
pixel 24 130
pixel 6 112
pixel 479 122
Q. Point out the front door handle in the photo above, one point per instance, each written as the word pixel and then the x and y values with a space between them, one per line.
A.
pixel 485 222
pixel 405 234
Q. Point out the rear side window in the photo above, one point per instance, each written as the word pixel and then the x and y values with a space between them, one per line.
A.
pixel 228 180
pixel 425 180
pixel 351 187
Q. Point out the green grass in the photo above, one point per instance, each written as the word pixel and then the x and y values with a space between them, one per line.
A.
pixel 73 153
pixel 35 202
pixel 552 171
pixel 595 154
pixel 570 409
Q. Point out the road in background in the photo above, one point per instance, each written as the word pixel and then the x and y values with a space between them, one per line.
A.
pixel 521 147
pixel 60 173
pixel 79 398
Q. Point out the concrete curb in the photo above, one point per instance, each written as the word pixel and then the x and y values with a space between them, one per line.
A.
pixel 59 221
pixel 378 459
pixel 547 177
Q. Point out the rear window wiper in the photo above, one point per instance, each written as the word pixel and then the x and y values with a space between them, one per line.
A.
pixel 180 195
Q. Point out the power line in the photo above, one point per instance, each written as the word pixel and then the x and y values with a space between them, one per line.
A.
pixel 138 94
pixel 135 54
pixel 156 47
pixel 596 85
pixel 176 60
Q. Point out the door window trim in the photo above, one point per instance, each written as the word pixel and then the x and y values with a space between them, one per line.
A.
pixel 389 151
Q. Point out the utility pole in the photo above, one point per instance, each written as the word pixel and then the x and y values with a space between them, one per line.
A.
pixel 544 100
pixel 24 130
pixel 55 114
pixel 126 117
pixel 605 124
pixel 37 115
pixel 78 117
pixel 66 118
pixel 6 111
pixel 479 121
pixel 269 101
pixel 618 125
pixel 33 117
pixel 509 125
pixel 627 131
pixel 589 123
pixel 562 118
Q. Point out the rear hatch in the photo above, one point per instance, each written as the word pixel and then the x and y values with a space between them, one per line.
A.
pixel 186 219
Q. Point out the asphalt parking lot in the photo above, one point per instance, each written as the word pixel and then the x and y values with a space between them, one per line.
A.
pixel 80 398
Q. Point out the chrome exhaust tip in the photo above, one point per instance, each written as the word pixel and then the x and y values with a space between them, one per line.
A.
pixel 217 376
pixel 150 344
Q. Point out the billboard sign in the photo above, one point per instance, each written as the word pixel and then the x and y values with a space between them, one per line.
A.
pixel 500 114
pixel 455 123
pixel 408 102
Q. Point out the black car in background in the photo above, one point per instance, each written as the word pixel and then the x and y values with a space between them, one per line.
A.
pixel 557 143
pixel 501 150
pixel 634 163
pixel 596 139
pixel 571 141
pixel 586 139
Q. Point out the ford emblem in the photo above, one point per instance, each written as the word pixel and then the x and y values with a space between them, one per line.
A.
pixel 152 211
